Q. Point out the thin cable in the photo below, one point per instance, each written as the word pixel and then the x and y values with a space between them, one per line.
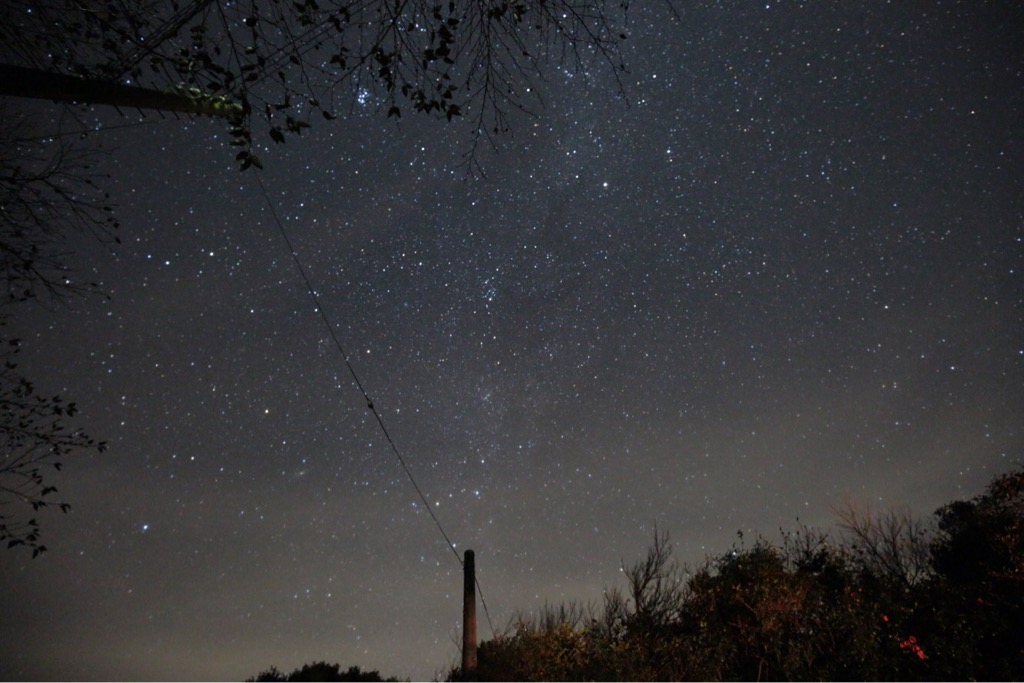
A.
pixel 362 390
pixel 480 592
pixel 351 370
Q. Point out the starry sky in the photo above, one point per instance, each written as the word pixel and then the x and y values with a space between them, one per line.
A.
pixel 782 272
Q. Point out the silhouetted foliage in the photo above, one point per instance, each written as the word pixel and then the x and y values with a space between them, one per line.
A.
pixel 47 193
pixel 890 599
pixel 280 63
pixel 321 671
pixel 978 558
pixel 34 438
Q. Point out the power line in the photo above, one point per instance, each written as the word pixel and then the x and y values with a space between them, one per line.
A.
pixel 362 390
pixel 351 369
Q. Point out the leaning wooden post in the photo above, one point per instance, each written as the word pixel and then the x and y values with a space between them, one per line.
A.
pixel 469 616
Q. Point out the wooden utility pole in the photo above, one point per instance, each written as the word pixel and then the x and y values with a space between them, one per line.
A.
pixel 469 616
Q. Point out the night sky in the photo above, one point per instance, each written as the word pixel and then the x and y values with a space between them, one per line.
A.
pixel 783 272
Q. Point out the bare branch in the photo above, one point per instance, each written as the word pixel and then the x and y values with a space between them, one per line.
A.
pixel 892 545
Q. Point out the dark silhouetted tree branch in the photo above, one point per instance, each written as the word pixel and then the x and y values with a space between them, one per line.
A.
pixel 34 439
pixel 274 65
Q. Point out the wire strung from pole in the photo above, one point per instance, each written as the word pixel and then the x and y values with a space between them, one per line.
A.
pixel 487 613
pixel 351 369
pixel 362 390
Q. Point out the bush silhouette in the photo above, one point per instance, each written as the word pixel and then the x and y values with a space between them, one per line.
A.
pixel 322 671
